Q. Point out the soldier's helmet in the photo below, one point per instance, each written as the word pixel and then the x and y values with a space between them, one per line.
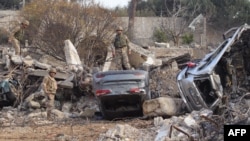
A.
pixel 52 70
pixel 119 28
pixel 25 22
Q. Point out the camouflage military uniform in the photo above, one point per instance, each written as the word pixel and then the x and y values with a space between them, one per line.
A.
pixel 17 35
pixel 50 87
pixel 121 44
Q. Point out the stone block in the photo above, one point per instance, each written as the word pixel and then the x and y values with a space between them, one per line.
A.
pixel 163 106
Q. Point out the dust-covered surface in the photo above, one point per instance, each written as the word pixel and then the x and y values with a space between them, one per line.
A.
pixel 22 126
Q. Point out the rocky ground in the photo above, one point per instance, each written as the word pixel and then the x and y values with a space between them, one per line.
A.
pixel 74 129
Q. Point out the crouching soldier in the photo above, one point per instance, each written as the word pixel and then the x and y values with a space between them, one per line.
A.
pixel 49 85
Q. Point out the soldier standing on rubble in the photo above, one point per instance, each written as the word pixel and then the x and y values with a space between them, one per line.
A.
pixel 49 85
pixel 121 49
pixel 17 35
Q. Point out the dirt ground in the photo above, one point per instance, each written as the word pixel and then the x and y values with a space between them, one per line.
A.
pixel 74 130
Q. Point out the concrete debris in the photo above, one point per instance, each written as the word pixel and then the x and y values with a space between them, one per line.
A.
pixel 75 98
pixel 41 65
pixel 72 57
pixel 198 125
pixel 164 45
pixel 121 133
pixel 37 114
pixel 66 107
pixel 163 106
pixel 87 113
pixel 34 104
pixel 59 114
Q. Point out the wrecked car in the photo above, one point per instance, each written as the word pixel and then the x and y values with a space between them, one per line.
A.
pixel 8 93
pixel 121 93
pixel 226 70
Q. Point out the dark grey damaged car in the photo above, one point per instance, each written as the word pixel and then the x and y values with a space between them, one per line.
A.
pixel 202 84
pixel 120 93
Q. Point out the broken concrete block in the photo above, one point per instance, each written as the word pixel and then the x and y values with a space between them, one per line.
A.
pixel 72 57
pixel 42 65
pixel 164 45
pixel 28 61
pixel 58 113
pixel 108 61
pixel 16 59
pixel 30 98
pixel 163 106
pixel 34 104
pixel 65 84
pixel 190 121
pixel 9 116
pixel 158 121
pixel 126 133
pixel 87 112
pixel 70 53
pixel 37 114
pixel 7 61
pixel 174 66
pixel 66 107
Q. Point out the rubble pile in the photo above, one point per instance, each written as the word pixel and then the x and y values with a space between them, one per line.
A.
pixel 32 112
pixel 198 125
pixel 74 100
pixel 163 77
pixel 22 78
pixel 125 132
pixel 163 80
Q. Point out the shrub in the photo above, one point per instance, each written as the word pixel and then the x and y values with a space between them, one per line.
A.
pixel 159 36
pixel 187 38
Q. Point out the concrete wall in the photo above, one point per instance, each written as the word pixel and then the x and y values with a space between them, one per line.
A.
pixel 8 18
pixel 145 26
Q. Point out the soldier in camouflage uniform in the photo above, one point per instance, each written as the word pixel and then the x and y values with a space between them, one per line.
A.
pixel 49 86
pixel 121 50
pixel 17 35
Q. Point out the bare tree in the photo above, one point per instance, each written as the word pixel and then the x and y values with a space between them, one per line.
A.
pixel 131 14
pixel 87 26
pixel 174 25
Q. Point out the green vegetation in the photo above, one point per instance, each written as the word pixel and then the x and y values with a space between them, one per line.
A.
pixel 187 38
pixel 159 36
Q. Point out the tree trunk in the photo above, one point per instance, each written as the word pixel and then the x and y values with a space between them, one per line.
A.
pixel 131 14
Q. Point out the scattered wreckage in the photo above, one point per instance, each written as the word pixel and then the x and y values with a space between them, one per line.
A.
pixel 220 81
pixel 22 76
